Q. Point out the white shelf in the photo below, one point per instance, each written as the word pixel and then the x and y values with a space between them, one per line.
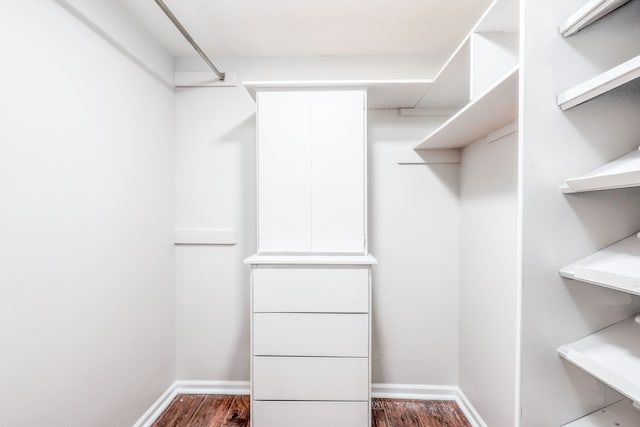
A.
pixel 620 414
pixel 600 84
pixel 620 173
pixel 311 260
pixel 611 355
pixel 495 108
pixel 616 267
pixel 381 94
pixel 588 14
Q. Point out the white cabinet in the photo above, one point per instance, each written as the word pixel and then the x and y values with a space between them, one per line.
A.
pixel 310 342
pixel 311 277
pixel 311 171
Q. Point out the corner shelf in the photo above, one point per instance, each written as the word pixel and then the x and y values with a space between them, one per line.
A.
pixel 611 355
pixel 620 414
pixel 588 14
pixel 620 173
pixel 609 80
pixel 615 267
pixel 495 108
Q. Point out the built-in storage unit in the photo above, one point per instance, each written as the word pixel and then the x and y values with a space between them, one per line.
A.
pixel 581 101
pixel 311 277
pixel 479 81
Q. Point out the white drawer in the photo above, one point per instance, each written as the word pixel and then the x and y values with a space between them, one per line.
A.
pixel 310 414
pixel 296 334
pixel 311 290
pixel 310 378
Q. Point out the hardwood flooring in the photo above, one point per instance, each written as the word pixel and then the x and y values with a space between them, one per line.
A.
pixel 199 410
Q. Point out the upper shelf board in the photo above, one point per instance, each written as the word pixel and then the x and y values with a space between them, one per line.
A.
pixel 600 84
pixel 311 260
pixel 495 108
pixel 620 414
pixel 381 94
pixel 620 173
pixel 615 267
pixel 611 355
pixel 588 14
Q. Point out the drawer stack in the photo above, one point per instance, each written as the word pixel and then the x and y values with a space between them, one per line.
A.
pixel 310 346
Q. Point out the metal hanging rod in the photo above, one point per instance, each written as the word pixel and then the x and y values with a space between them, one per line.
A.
pixel 190 39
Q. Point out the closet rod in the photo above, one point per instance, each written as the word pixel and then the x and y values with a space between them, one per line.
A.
pixel 190 39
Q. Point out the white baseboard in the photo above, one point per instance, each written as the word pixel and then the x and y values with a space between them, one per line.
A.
pixel 389 391
pixel 213 387
pixel 429 392
pixel 157 407
pixel 190 387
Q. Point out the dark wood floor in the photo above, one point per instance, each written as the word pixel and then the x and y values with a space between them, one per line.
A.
pixel 199 410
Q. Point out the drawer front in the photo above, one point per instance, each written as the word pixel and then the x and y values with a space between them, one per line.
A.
pixel 296 334
pixel 310 378
pixel 313 290
pixel 310 414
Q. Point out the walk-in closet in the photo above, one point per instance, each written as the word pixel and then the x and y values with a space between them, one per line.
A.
pixel 356 213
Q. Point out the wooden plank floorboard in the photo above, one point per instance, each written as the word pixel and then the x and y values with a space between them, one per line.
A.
pixel 212 412
pixel 238 415
pixel 401 413
pixel 180 411
pixel 233 411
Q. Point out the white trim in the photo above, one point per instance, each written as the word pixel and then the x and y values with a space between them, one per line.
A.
pixel 156 409
pixel 429 392
pixel 212 387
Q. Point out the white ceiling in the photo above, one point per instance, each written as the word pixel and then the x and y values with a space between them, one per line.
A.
pixel 313 27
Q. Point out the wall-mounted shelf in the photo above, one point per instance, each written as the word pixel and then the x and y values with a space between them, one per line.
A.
pixel 600 84
pixel 206 236
pixel 620 414
pixel 495 108
pixel 381 94
pixel 620 173
pixel 616 267
pixel 588 14
pixel 611 355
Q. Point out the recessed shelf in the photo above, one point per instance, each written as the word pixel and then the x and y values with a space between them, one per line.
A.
pixel 600 84
pixel 619 414
pixel 495 108
pixel 381 94
pixel 588 14
pixel 611 355
pixel 620 173
pixel 616 267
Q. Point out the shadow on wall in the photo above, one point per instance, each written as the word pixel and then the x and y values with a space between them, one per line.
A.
pixel 243 136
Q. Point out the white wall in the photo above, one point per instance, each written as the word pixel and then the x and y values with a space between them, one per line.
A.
pixel 559 229
pixel 413 216
pixel 413 232
pixel 488 278
pixel 215 189
pixel 86 260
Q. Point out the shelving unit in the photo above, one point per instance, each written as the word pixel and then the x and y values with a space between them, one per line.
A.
pixel 620 173
pixel 605 82
pixel 381 94
pixel 588 14
pixel 615 267
pixel 496 108
pixel 611 355
pixel 620 414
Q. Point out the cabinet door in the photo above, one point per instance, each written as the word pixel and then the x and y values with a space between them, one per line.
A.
pixel 284 175
pixel 338 171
